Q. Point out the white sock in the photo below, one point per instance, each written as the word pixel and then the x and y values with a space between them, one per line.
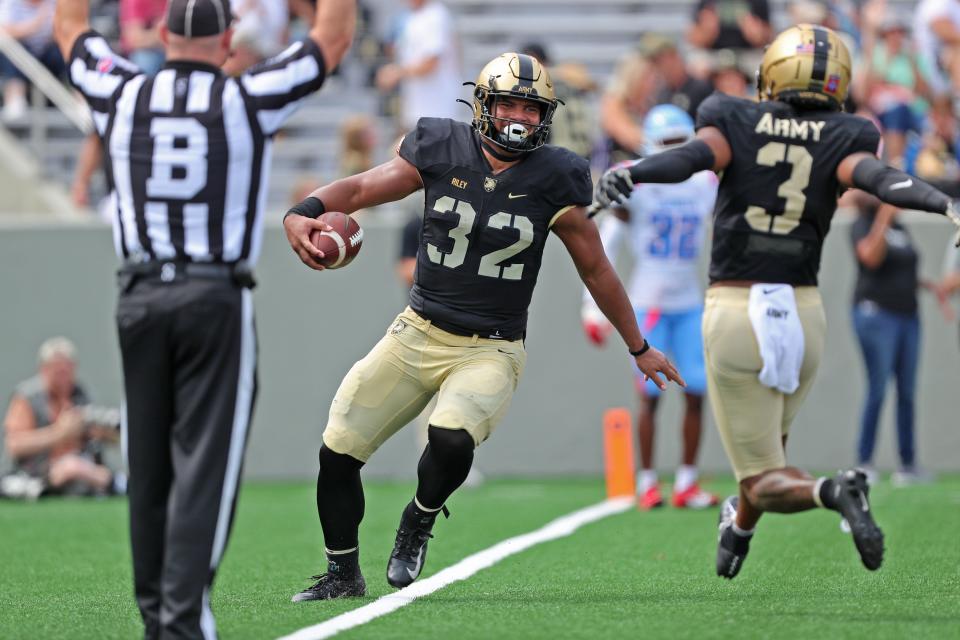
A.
pixel 686 476
pixel 646 479
pixel 743 533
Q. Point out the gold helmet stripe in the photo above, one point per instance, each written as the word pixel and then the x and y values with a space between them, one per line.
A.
pixel 821 54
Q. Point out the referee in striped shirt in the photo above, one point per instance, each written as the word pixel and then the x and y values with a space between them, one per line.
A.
pixel 188 155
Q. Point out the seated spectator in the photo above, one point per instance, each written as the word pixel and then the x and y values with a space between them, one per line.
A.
pixel 30 22
pixel 630 94
pixel 678 87
pixel 140 33
pixel 728 77
pixel 573 126
pixel 51 433
pixel 937 156
pixel 936 28
pixel 730 24
pixel 893 86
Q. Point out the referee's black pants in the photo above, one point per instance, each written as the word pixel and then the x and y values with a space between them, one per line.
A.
pixel 189 364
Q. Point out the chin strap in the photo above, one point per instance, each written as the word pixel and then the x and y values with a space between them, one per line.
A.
pixel 499 153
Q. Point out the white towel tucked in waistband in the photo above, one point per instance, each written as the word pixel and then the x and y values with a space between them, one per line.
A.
pixel 773 315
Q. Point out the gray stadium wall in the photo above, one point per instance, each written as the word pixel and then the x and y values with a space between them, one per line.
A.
pixel 57 278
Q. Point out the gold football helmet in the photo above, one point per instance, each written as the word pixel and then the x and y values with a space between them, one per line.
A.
pixel 513 75
pixel 806 65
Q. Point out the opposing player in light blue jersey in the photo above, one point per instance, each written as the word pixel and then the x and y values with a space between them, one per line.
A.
pixel 665 224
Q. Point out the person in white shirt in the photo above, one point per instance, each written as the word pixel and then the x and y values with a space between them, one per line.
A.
pixel 936 31
pixel 666 224
pixel 427 66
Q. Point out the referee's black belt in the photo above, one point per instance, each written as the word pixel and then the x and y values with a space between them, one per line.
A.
pixel 238 273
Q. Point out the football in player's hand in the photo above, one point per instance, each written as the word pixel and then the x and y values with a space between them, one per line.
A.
pixel 341 245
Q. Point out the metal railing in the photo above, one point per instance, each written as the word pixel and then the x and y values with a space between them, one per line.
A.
pixel 46 83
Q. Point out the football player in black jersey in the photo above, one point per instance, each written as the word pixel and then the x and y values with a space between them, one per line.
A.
pixel 493 192
pixel 784 160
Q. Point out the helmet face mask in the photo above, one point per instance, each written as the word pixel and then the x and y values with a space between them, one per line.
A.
pixel 516 76
pixel 807 66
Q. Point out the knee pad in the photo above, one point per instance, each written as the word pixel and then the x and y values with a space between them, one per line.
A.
pixel 448 443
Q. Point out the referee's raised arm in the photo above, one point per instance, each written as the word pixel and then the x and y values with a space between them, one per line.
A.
pixel 333 26
pixel 72 18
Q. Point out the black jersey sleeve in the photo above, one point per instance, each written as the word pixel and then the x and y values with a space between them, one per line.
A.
pixel 427 147
pixel 714 110
pixel 571 181
pixel 867 139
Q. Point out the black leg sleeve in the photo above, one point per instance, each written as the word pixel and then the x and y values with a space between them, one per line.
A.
pixel 340 502
pixel 444 465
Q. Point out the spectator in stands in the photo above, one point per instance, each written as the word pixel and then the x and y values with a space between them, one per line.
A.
pixel 730 24
pixel 887 323
pixel 892 85
pixel 30 22
pixel 631 93
pixel 936 29
pixel 140 33
pixel 426 65
pixel 573 126
pixel 357 141
pixel 49 432
pixel 937 157
pixel 728 77
pixel 677 86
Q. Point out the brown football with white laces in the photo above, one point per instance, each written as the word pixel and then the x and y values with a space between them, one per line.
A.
pixel 341 245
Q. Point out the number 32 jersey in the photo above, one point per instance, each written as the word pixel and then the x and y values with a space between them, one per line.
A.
pixel 778 195
pixel 483 235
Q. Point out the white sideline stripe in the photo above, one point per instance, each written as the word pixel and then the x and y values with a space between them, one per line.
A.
pixel 559 528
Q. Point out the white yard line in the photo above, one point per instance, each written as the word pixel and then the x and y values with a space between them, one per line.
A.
pixel 559 528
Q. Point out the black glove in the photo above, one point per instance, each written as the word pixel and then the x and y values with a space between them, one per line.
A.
pixel 614 187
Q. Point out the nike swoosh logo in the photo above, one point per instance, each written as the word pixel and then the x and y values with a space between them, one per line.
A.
pixel 768 291
pixel 906 184
pixel 513 197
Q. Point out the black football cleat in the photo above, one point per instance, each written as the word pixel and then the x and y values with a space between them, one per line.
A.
pixel 410 549
pixel 731 548
pixel 330 586
pixel 851 494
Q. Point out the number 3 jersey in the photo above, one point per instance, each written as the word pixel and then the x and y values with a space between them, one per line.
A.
pixel 778 194
pixel 483 234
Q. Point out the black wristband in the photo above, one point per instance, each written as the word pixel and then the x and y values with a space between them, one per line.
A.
pixel 310 208
pixel 642 350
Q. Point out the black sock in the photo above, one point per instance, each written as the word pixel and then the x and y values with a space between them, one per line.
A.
pixel 345 565
pixel 340 502
pixel 827 496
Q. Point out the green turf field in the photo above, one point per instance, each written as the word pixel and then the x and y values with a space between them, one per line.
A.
pixel 65 570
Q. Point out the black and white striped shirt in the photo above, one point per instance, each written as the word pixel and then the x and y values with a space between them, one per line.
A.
pixel 189 150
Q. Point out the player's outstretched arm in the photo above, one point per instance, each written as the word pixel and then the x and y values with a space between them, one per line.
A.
pixel 709 151
pixel 864 171
pixel 582 240
pixel 70 20
pixel 388 182
pixel 333 26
